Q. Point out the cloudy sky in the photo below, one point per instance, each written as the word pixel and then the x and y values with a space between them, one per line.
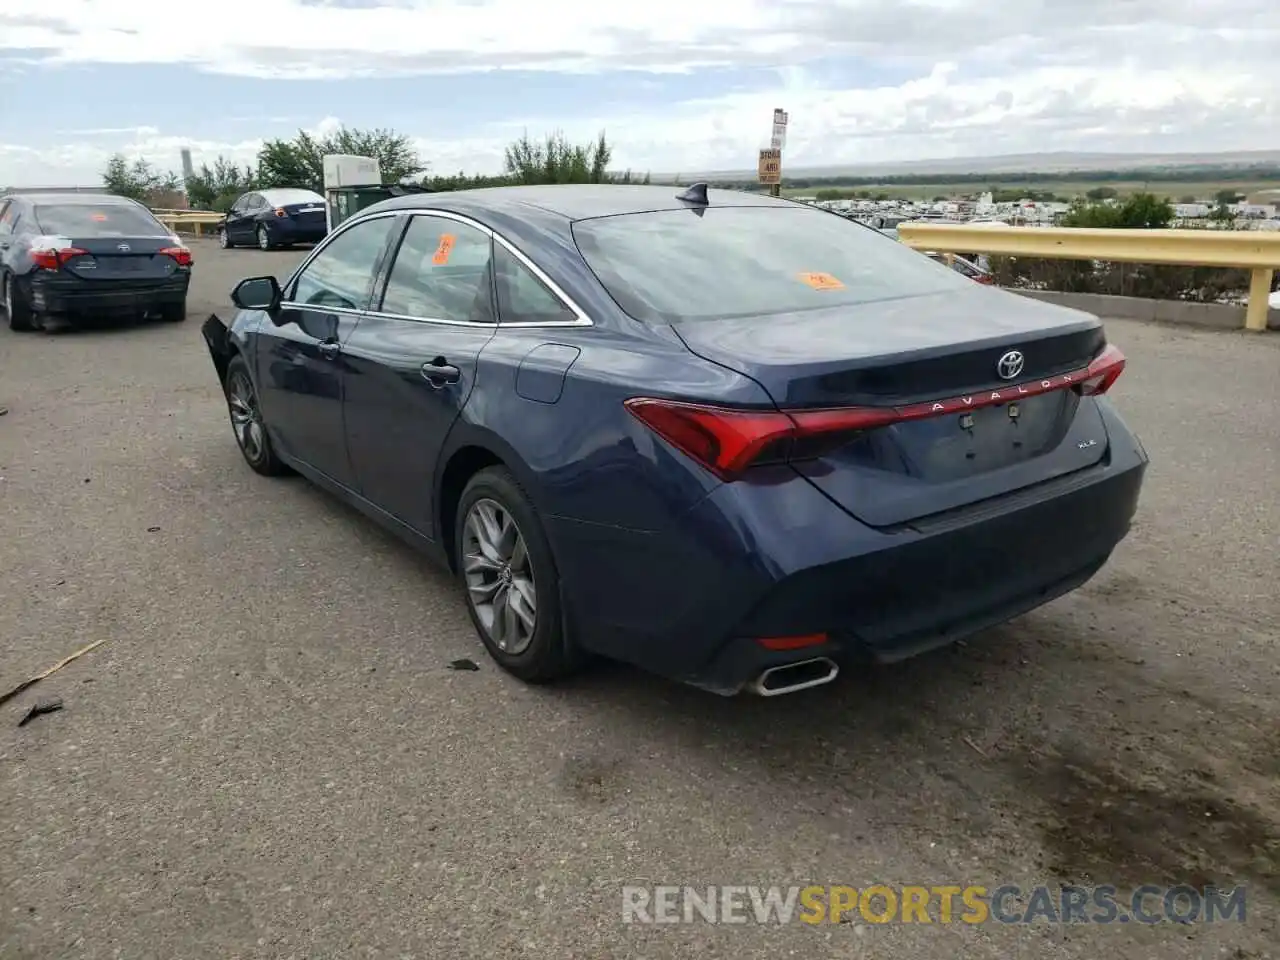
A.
pixel 678 86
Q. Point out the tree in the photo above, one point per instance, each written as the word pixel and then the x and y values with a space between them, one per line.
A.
pixel 1102 193
pixel 1227 197
pixel 1139 211
pixel 138 180
pixel 218 188
pixel 300 162
pixel 556 160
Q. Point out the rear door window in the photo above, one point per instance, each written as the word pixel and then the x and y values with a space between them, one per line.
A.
pixel 442 271
pixel 722 262
pixel 98 220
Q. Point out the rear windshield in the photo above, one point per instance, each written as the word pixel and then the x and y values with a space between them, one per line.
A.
pixel 88 220
pixel 281 198
pixel 722 262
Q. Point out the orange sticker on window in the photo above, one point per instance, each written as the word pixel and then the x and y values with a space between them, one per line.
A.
pixel 447 240
pixel 100 217
pixel 821 281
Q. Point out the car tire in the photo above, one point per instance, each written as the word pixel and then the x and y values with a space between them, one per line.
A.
pixel 502 554
pixel 246 421
pixel 264 239
pixel 224 241
pixel 174 312
pixel 16 307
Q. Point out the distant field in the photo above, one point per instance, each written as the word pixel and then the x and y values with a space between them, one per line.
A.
pixel 1065 189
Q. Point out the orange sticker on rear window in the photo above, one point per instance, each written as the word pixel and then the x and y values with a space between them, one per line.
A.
pixel 447 240
pixel 100 217
pixel 821 281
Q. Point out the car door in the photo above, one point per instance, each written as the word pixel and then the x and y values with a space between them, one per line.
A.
pixel 6 235
pixel 413 360
pixel 300 364
pixel 235 219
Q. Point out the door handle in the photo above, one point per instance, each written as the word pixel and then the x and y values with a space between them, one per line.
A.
pixel 329 349
pixel 440 372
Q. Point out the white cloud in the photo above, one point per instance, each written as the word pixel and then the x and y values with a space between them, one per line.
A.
pixel 1143 75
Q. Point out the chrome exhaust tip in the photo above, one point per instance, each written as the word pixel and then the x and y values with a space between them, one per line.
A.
pixel 793 677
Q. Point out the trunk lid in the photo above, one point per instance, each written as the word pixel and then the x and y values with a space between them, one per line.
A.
pixel 309 214
pixel 121 259
pixel 909 351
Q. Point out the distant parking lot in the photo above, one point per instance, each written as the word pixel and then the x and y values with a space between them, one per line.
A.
pixel 269 756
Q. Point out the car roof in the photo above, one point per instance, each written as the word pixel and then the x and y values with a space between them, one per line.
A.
pixel 575 201
pixel 78 199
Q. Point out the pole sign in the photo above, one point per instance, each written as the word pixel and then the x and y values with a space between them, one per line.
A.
pixel 770 166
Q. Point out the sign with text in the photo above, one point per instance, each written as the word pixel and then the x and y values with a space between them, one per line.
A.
pixel 770 166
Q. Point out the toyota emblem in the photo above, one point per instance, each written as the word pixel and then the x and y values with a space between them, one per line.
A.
pixel 1010 365
pixel 123 247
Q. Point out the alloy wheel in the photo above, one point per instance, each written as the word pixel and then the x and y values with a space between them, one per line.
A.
pixel 264 242
pixel 245 418
pixel 223 242
pixel 499 576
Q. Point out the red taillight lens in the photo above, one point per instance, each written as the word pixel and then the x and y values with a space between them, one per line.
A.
pixel 281 212
pixel 181 254
pixel 54 259
pixel 1104 371
pixel 725 441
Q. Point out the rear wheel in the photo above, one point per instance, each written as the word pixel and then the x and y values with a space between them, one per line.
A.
pixel 264 238
pixel 16 307
pixel 512 586
pixel 174 312
pixel 246 421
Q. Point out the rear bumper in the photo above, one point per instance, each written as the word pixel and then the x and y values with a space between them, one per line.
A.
pixel 755 560
pixel 288 231
pixel 59 295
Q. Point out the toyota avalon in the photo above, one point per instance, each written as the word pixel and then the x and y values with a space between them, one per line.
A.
pixel 734 440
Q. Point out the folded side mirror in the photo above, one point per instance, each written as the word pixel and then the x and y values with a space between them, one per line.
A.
pixel 257 293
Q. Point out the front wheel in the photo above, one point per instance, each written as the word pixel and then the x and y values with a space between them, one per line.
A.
pixel 224 241
pixel 247 422
pixel 512 586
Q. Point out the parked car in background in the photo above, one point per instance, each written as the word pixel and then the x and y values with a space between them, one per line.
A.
pixel 732 439
pixel 274 218
pixel 67 258
pixel 964 267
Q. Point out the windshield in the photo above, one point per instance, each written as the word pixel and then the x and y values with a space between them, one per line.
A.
pixel 90 220
pixel 722 262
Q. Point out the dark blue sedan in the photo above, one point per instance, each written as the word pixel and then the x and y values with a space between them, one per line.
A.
pixel 734 440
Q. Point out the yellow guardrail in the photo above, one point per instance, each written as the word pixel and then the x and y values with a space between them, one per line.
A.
pixel 194 220
pixel 1257 251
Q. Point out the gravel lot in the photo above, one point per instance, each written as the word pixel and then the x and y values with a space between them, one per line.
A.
pixel 269 758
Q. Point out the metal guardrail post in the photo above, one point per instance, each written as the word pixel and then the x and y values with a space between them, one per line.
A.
pixel 1255 317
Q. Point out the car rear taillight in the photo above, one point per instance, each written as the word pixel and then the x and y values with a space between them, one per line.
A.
pixel 180 254
pixel 1104 371
pixel 729 441
pixel 281 212
pixel 54 259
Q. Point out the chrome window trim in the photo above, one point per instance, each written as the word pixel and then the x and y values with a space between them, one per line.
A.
pixel 580 316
